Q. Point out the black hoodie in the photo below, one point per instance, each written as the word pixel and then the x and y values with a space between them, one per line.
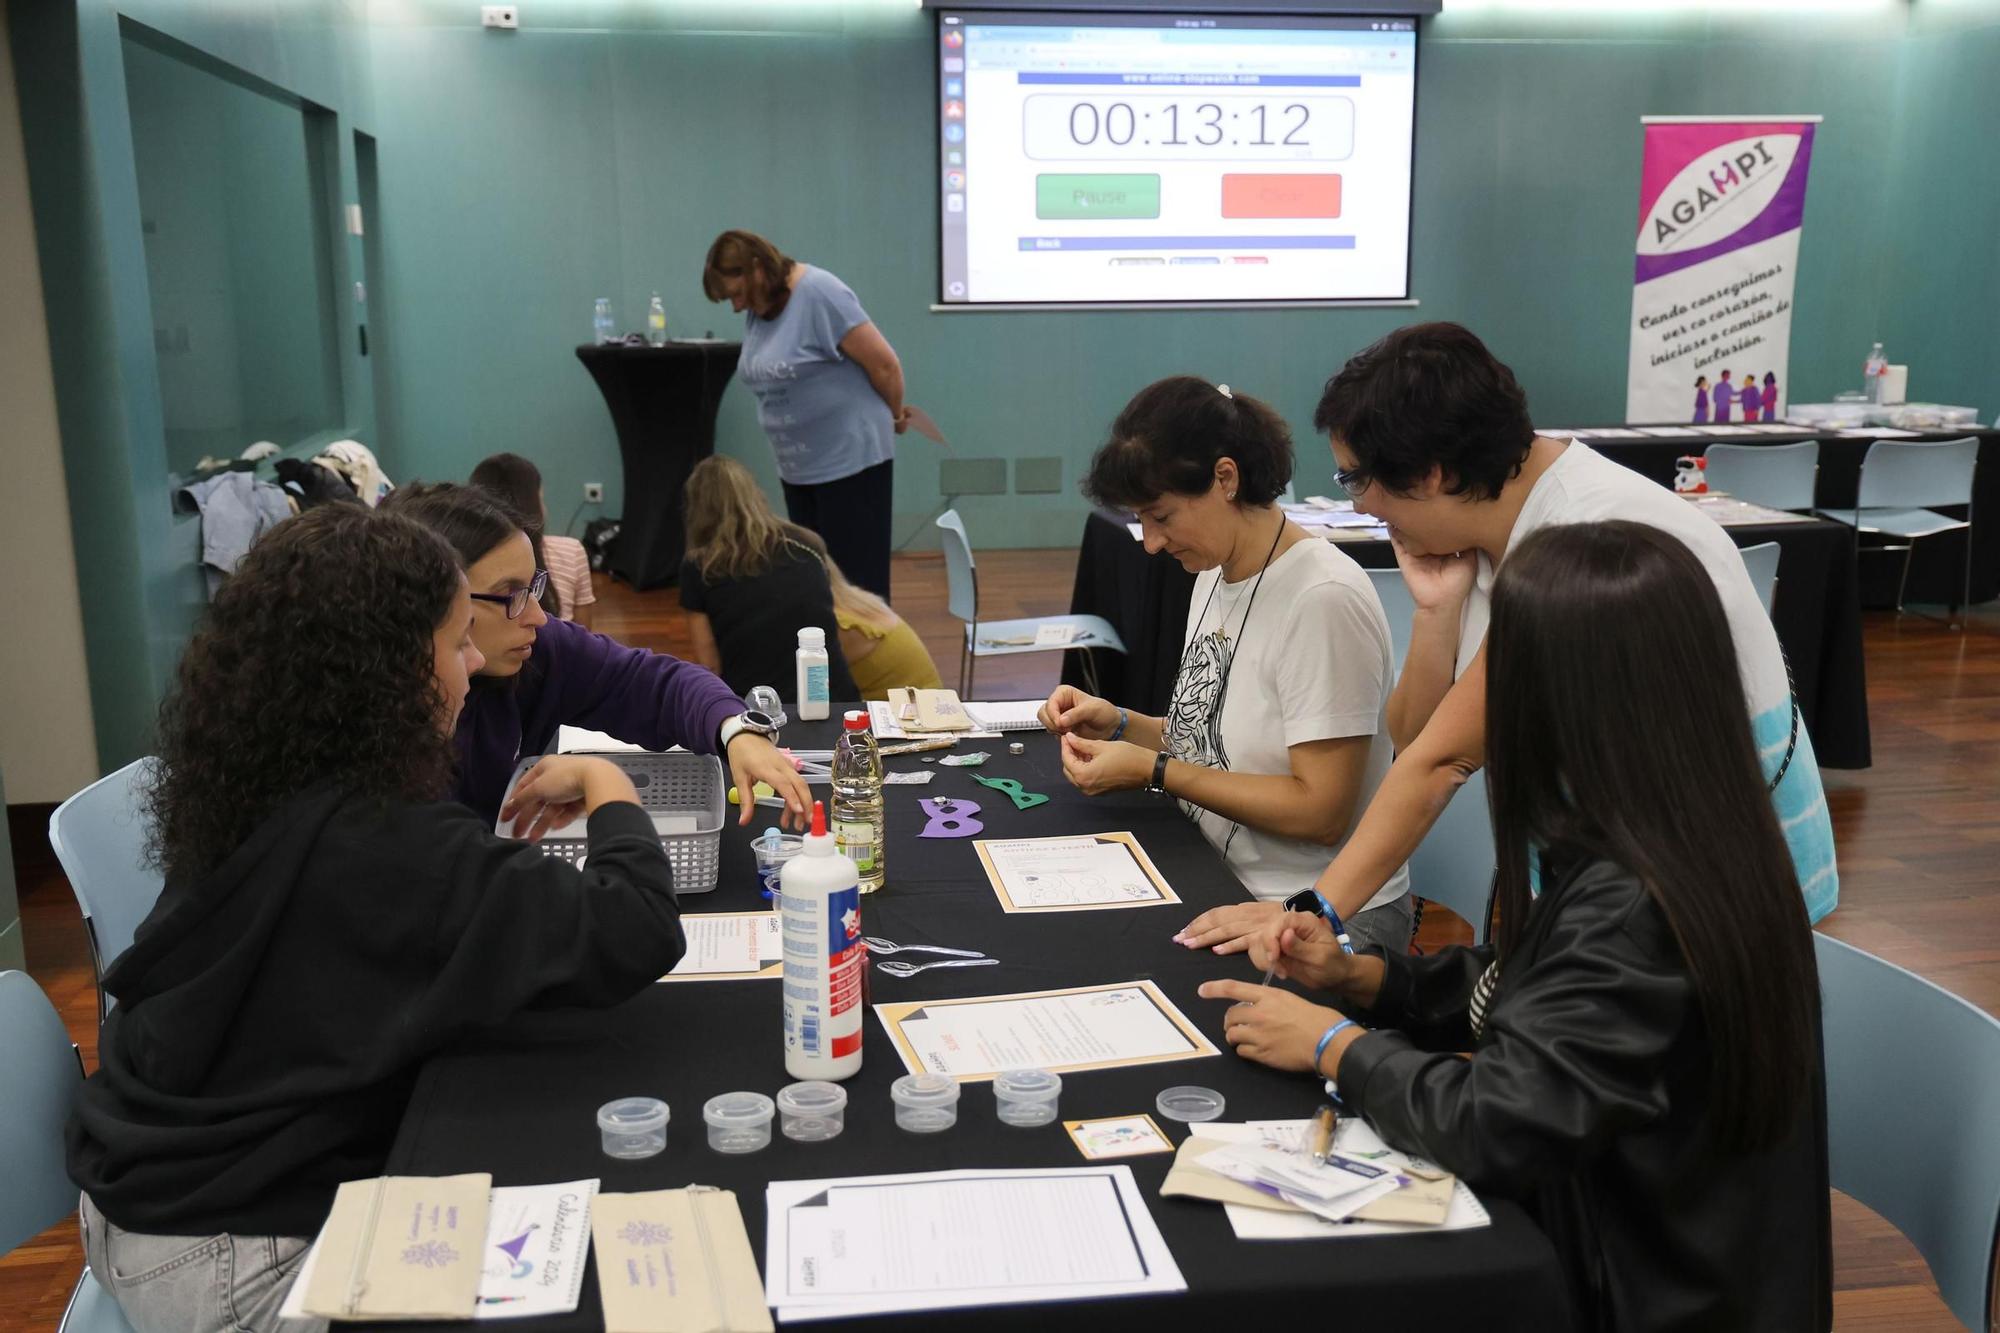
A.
pixel 272 1015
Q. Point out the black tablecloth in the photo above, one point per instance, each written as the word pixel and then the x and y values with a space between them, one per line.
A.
pixel 522 1105
pixel 662 402
pixel 1937 568
pixel 1816 612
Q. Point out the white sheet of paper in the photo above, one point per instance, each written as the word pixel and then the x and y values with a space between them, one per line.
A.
pixel 729 942
pixel 1775 428
pixel 1138 532
pixel 1671 432
pixel 1879 433
pixel 1006 714
pixel 582 740
pixel 1608 433
pixel 1112 1026
pixel 537 1237
pixel 1070 872
pixel 882 721
pixel 950 1239
pixel 1356 1138
pixel 1731 430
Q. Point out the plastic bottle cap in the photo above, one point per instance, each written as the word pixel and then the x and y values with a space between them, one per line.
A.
pixel 925 1091
pixel 819 842
pixel 734 1110
pixel 812 637
pixel 856 720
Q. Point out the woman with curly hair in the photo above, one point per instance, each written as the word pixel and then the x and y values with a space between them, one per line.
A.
pixel 330 918
pixel 542 674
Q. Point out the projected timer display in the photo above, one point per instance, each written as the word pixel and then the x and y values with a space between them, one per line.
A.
pixel 1173 158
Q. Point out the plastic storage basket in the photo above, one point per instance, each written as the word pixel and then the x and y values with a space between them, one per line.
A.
pixel 685 794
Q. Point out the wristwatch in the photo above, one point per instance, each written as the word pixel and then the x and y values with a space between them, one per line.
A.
pixel 751 720
pixel 1158 786
pixel 1312 901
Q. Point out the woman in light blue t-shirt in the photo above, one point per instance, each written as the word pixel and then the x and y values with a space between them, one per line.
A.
pixel 829 395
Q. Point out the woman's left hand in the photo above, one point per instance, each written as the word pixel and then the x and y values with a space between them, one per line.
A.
pixel 900 419
pixel 1096 767
pixel 753 759
pixel 1271 1026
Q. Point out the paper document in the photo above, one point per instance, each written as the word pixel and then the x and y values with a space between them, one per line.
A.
pixel 730 946
pixel 1672 432
pixel 1090 873
pixel 1731 512
pixel 582 740
pixel 1085 1027
pixel 1730 430
pixel 1775 428
pixel 924 424
pixel 1878 433
pixel 946 1239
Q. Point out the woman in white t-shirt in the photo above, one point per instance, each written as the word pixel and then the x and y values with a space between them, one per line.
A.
pixel 1276 736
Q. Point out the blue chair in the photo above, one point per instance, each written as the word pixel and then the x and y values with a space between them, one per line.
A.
pixel 1000 638
pixel 1454 863
pixel 100 836
pixel 43 1072
pixel 1912 1096
pixel 1900 479
pixel 1399 606
pixel 1761 561
pixel 1782 476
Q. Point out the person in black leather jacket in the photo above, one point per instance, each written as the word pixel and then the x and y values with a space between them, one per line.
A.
pixel 1636 1056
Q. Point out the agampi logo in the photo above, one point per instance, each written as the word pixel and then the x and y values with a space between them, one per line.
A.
pixel 1718 193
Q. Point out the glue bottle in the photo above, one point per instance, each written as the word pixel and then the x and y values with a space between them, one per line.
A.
pixel 815 688
pixel 825 958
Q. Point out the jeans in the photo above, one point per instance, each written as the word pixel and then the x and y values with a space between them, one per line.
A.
pixel 1387 925
pixel 195 1284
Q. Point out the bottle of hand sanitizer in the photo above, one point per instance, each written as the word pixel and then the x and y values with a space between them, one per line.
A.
pixel 825 957
pixel 815 689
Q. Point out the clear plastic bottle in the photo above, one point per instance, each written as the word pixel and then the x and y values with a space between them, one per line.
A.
pixel 815 697
pixel 1873 370
pixel 826 959
pixel 656 322
pixel 857 800
pixel 601 321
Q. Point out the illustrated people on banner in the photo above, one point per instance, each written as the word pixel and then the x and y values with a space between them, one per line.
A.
pixel 1700 399
pixel 1725 398
pixel 1770 395
pixel 1751 397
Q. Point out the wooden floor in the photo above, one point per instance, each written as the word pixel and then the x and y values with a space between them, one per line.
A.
pixel 1918 835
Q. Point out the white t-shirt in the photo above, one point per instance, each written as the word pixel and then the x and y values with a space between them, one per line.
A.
pixel 1583 486
pixel 1311 663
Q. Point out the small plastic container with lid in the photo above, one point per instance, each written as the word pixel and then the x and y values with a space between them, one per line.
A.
pixel 738 1122
pixel 1026 1098
pixel 1190 1104
pixel 925 1103
pixel 633 1127
pixel 813 1111
pixel 773 849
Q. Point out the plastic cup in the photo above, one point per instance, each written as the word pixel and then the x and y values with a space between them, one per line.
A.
pixel 925 1103
pixel 633 1127
pixel 738 1122
pixel 1026 1098
pixel 773 850
pixel 1189 1104
pixel 812 1112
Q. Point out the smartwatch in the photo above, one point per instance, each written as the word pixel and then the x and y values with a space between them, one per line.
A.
pixel 751 720
pixel 1314 902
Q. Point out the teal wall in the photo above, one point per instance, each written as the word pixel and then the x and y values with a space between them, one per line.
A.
pixel 599 149
pixel 136 561
pixel 596 151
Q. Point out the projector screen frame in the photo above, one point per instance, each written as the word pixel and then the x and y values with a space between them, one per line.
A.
pixel 1413 10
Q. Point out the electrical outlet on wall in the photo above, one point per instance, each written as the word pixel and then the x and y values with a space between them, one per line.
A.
pixel 593 492
pixel 499 16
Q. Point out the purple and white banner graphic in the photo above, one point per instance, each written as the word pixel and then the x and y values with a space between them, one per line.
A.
pixel 1720 204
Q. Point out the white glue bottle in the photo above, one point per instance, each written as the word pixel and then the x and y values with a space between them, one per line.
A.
pixel 815 696
pixel 825 958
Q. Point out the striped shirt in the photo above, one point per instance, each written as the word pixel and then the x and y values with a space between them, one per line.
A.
pixel 569 574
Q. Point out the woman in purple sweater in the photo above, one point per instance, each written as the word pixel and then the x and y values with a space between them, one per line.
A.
pixel 542 674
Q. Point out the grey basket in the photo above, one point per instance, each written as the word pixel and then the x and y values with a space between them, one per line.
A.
pixel 687 796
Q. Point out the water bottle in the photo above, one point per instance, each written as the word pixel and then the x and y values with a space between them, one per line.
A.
pixel 656 322
pixel 1873 370
pixel 857 800
pixel 601 320
pixel 826 959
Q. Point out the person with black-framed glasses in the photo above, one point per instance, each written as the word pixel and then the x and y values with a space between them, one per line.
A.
pixel 542 673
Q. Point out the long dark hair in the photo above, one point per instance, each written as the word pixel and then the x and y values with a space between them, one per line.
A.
pixel 517 483
pixel 1616 726
pixel 471 520
pixel 312 665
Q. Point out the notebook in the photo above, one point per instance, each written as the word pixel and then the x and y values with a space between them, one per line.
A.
pixel 1007 714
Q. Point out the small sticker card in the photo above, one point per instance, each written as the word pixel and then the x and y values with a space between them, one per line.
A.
pixel 1117 1136
pixel 1054 636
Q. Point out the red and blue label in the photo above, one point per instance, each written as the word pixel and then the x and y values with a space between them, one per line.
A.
pixel 847 965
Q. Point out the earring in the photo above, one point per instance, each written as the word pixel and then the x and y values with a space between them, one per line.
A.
pixel 1230 496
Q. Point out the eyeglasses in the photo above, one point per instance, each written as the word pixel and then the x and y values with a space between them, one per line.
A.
pixel 517 601
pixel 1353 482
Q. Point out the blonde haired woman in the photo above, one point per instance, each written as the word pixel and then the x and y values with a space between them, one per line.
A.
pixel 882 650
pixel 750 584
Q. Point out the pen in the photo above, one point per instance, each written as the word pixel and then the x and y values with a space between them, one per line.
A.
pixel 1322 1133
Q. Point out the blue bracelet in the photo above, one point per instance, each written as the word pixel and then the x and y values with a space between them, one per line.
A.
pixel 1319 1051
pixel 1123 718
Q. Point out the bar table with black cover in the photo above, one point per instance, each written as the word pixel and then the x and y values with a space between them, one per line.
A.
pixel 663 402
pixel 520 1103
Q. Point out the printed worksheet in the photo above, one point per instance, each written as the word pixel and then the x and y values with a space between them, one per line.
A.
pixel 1093 872
pixel 1087 1027
pixel 729 946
